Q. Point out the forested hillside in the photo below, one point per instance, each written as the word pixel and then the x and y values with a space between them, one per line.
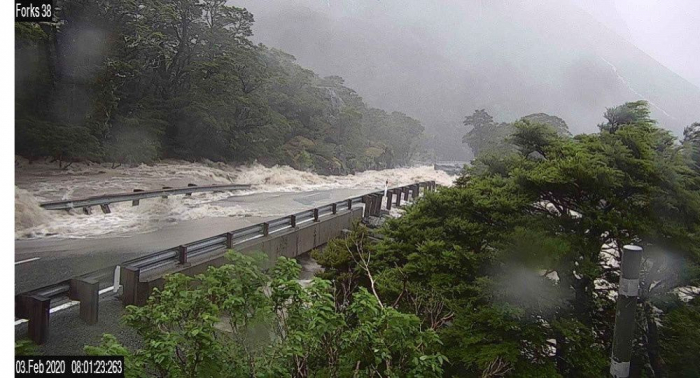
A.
pixel 447 57
pixel 135 81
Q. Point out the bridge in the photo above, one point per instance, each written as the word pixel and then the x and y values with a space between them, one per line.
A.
pixel 68 271
pixel 451 167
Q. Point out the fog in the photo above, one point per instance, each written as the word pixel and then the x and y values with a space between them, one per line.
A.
pixel 440 60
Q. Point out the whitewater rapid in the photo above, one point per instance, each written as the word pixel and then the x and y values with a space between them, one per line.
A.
pixel 40 182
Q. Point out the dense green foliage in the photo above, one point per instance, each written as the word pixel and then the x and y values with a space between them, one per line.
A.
pixel 516 267
pixel 487 137
pixel 133 81
pixel 238 321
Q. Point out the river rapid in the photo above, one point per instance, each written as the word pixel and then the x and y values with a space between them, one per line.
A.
pixel 43 181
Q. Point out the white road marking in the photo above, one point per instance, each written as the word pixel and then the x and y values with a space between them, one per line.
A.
pixel 27 260
pixel 65 305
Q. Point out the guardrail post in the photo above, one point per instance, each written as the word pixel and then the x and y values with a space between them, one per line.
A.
pixel 87 291
pixel 105 208
pixel 416 191
pixel 434 185
pixel 369 210
pixel 130 278
pixel 37 312
pixel 182 254
pixel 165 195
pixel 136 202
pixel 190 193
pixel 405 193
pixel 334 209
pixel 229 240
pixel 398 197
pixel 266 228
pixel 350 204
pixel 316 215
pixel 293 220
pixel 623 334
pixel 378 205
pixel 389 198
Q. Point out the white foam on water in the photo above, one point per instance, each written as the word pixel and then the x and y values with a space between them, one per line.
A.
pixel 42 181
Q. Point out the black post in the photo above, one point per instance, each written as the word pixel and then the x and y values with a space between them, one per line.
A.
pixel 87 291
pixel 378 204
pixel 293 220
pixel 389 198
pixel 624 314
pixel 130 276
pixel 37 308
pixel 136 202
pixel 189 194
pixel 182 254
pixel 229 240
pixel 367 200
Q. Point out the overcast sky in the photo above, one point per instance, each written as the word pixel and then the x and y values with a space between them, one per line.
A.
pixel 668 30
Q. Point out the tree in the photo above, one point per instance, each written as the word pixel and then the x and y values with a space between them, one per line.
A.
pixel 182 79
pixel 521 257
pixel 486 136
pixel 489 140
pixel 237 320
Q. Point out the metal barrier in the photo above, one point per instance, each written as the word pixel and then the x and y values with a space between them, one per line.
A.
pixel 105 200
pixel 35 305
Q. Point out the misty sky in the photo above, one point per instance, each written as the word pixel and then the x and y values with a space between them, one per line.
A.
pixel 668 30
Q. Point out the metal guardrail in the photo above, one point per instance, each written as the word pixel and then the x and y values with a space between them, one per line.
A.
pixel 34 304
pixel 107 199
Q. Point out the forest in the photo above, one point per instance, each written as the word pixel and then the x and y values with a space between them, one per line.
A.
pixel 130 82
pixel 512 272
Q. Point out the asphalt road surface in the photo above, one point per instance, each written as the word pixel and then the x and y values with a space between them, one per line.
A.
pixel 45 261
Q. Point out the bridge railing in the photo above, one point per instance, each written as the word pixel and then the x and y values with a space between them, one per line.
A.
pixel 34 305
pixel 107 199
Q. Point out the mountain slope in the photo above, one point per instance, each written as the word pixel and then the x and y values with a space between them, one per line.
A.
pixel 438 61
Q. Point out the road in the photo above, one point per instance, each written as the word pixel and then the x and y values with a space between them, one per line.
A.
pixel 44 261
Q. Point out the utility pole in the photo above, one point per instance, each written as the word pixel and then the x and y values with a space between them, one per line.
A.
pixel 624 314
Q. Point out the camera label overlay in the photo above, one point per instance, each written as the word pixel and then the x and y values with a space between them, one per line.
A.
pixel 69 366
pixel 34 10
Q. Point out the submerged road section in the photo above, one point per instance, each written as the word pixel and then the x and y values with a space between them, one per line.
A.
pixel 44 261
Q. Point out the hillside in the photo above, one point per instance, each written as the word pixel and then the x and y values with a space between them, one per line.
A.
pixel 128 83
pixel 440 61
